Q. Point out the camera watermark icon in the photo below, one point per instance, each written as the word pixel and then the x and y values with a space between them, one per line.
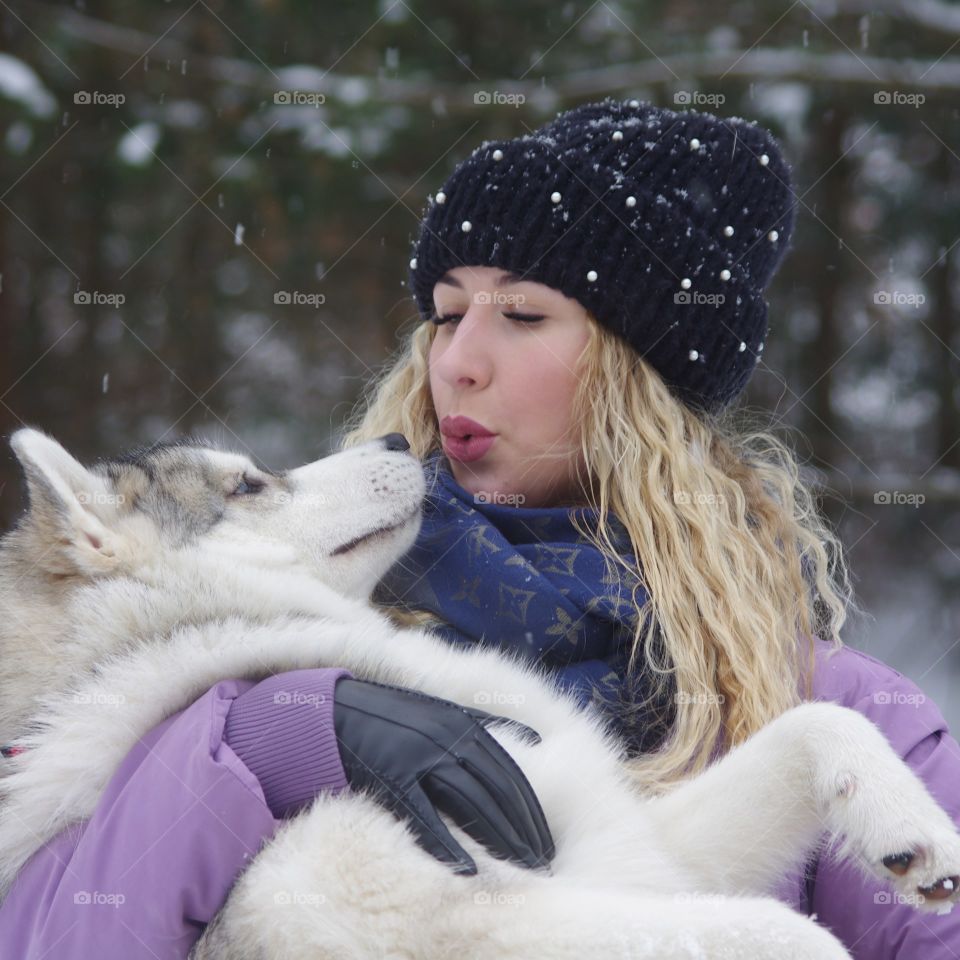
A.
pixel 99 698
pixel 500 298
pixel 698 299
pixel 685 496
pixel 485 98
pixel 897 298
pixel 298 98
pixel 288 898
pixel 297 699
pixel 101 499
pixel 898 497
pixel 494 496
pixel 298 298
pixel 486 698
pixel 96 298
pixel 304 499
pixel 96 98
pixel 890 697
pixel 498 898
pixel 896 98
pixel 690 98
pixel 894 897
pixel 97 898
pixel 685 896
pixel 701 697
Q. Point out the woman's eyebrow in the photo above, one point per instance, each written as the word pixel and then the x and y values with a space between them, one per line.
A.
pixel 502 280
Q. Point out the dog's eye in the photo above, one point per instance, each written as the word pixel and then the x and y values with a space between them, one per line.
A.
pixel 248 486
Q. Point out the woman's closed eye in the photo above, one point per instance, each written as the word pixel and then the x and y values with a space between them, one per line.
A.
pixel 439 319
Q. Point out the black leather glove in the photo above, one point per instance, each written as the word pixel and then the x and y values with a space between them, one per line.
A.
pixel 418 754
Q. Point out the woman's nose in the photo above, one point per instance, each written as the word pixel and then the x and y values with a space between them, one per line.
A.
pixel 466 356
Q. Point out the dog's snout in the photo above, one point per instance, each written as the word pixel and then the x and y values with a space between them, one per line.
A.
pixel 395 441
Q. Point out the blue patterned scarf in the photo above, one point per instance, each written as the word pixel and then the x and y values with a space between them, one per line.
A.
pixel 524 579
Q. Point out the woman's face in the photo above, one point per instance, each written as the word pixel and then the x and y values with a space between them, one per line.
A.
pixel 513 376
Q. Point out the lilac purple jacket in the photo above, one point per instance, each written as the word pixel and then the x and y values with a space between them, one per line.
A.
pixel 183 815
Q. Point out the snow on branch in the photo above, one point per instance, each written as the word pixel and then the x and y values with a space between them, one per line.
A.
pixel 932 14
pixel 676 71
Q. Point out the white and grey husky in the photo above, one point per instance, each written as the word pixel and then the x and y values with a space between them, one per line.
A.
pixel 130 588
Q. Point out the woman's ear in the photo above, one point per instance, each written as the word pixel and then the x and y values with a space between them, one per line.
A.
pixel 69 508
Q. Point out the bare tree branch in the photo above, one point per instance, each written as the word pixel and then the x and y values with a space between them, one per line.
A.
pixel 932 14
pixel 677 71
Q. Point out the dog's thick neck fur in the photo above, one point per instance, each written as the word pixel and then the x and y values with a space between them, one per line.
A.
pixel 150 649
pixel 55 627
pixel 34 617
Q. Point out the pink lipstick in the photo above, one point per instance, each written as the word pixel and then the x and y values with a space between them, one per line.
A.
pixel 465 439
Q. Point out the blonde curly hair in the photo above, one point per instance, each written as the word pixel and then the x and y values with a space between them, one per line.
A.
pixel 737 569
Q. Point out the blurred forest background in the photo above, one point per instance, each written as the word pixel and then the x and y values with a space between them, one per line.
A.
pixel 172 172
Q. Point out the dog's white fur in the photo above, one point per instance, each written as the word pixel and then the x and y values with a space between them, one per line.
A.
pixel 152 615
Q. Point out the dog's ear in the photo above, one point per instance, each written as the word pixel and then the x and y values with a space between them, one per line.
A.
pixel 68 507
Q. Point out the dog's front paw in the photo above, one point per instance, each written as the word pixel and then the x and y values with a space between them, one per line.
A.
pixel 890 823
pixel 901 835
pixel 927 874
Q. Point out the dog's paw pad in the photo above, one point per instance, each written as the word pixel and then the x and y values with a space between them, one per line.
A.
pixel 943 889
pixel 899 863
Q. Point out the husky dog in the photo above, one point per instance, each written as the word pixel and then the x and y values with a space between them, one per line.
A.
pixel 130 588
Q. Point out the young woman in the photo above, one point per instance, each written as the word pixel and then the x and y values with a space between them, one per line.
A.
pixel 591 298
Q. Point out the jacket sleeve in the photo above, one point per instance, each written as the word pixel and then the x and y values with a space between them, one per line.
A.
pixel 177 823
pixel 869 917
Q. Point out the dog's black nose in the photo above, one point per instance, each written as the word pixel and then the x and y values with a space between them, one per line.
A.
pixel 395 441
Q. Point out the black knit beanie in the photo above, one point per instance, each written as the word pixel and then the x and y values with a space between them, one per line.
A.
pixel 666 226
